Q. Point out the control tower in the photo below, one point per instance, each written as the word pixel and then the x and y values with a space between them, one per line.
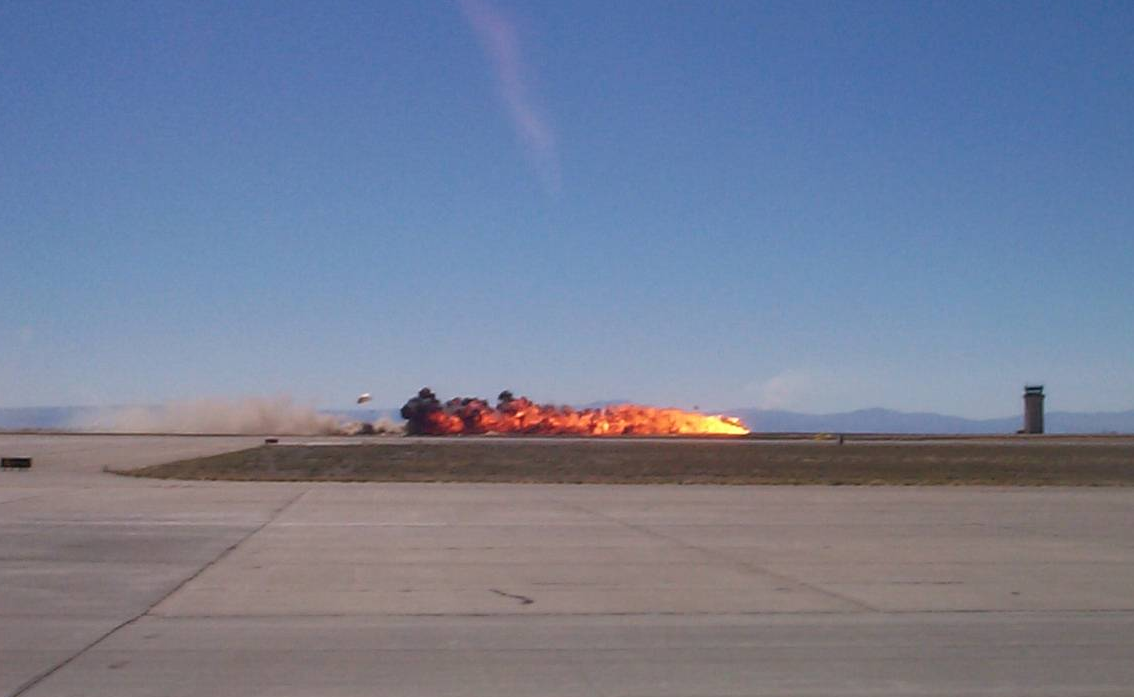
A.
pixel 1033 409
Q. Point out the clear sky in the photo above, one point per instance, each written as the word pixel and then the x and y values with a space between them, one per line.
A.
pixel 813 206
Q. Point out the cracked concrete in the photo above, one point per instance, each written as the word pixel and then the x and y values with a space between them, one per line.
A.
pixel 524 600
pixel 120 586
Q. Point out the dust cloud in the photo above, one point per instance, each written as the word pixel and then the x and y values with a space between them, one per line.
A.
pixel 247 416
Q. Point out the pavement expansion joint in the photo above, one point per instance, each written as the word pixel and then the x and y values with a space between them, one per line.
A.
pixel 645 614
pixel 122 625
pixel 718 554
pixel 513 615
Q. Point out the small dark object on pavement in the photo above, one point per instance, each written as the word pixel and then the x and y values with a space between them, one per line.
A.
pixel 271 441
pixel 16 462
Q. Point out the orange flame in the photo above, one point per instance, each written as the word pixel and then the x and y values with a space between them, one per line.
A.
pixel 426 415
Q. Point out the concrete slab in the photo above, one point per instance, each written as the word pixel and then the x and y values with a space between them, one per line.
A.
pixel 31 645
pixel 939 654
pixel 70 459
pixel 122 586
pixel 82 552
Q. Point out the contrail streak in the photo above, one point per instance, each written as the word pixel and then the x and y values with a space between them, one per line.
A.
pixel 497 35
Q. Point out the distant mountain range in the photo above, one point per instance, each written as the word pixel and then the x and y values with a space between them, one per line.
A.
pixel 759 420
pixel 890 421
pixel 43 417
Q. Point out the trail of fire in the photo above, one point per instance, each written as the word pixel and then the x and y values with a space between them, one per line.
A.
pixel 427 415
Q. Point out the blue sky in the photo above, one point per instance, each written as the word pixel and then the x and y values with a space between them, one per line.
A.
pixel 813 206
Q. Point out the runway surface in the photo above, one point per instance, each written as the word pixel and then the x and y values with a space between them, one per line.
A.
pixel 121 586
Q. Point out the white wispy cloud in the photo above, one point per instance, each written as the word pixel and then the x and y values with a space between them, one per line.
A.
pixel 498 37
pixel 787 390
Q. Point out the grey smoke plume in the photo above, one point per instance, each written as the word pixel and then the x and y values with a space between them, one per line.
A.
pixel 248 416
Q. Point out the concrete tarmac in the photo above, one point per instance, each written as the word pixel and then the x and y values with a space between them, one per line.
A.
pixel 120 586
